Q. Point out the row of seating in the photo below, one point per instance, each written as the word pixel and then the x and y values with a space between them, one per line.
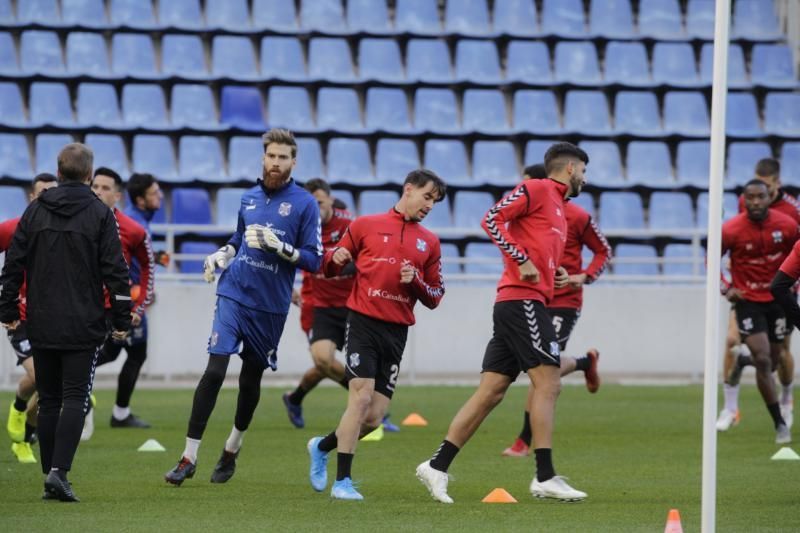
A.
pixel 426 60
pixel 754 19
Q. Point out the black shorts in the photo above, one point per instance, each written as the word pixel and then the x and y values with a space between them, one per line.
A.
pixel 19 341
pixel 755 317
pixel 373 350
pixel 564 320
pixel 329 325
pixel 523 338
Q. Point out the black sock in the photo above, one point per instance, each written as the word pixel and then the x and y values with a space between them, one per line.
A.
pixel 29 431
pixel 296 397
pixel 775 412
pixel 345 383
pixel 444 456
pixel 525 434
pixel 328 443
pixel 344 461
pixel 544 464
pixel 582 363
pixel 20 404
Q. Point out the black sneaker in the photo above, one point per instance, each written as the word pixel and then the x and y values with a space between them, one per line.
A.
pixel 58 488
pixel 183 470
pixel 225 468
pixel 131 421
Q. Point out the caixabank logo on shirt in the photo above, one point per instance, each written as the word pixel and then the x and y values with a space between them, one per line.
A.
pixel 386 295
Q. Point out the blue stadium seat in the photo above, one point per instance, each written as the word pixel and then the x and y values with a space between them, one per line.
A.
pixel 15 159
pixel 489 256
pixel 109 151
pixel 440 216
pixel 133 13
pixel 309 162
pixel 674 64
pixel 448 158
pixel 470 17
pixel 536 111
pixel 38 12
pixel 737 74
pixel 8 54
pixel 686 113
pixel 586 202
pixel 387 109
pixel 329 59
pixel 637 113
pixel 742 115
pixel 194 266
pixel 98 105
pixel 782 114
pixel 12 111
pixel 349 161
pixel 86 54
pixel 730 208
pixel 50 104
pixel 200 158
pixel 183 55
pixel 428 60
pixel 671 210
pixel 325 15
pixel 274 15
pixel 755 19
pixel 339 109
pixel 611 18
pixel 6 13
pixel 692 163
pixel 394 159
pixel 374 202
pixel 133 55
pixel 84 12
pixel 485 111
pixel 528 61
pixel 181 14
pixel 154 154
pixel 515 17
pixel 621 210
pixel 282 58
pixel 469 207
pixel 700 18
pixel 626 62
pixel 417 16
pixel 193 107
pixel 12 202
pixel 144 105
pixel 241 107
pixel 660 19
pixel 605 163
pixel 576 62
pixel 40 52
pixel 289 107
pixel 535 150
pixel 347 198
pixel 648 163
pixel 563 17
pixel 790 163
pixel 190 206
pixel 742 159
pixel 228 14
pixel 772 65
pixel 477 61
pixel 586 112
pixel 495 162
pixel 450 251
pixel 435 110
pixel 368 15
pixel 379 59
pixel 233 57
pixel 228 202
pixel 682 252
pixel 644 252
pixel 47 147
pixel 244 158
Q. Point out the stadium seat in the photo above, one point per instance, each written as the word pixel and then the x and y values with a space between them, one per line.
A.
pixel 282 58
pixel 686 113
pixel 671 210
pixel 417 16
pixel 536 111
pixel 309 164
pixel 469 17
pixel 683 252
pixel 484 110
pixel 515 17
pixel 586 112
pixel 495 162
pixel 8 54
pixel 48 145
pixel 700 18
pixel 576 62
pixel 349 161
pixel 535 150
pixel 772 65
pixel 621 210
pixel 674 64
pixel 40 53
pixel 201 249
pixel 742 159
pixel 586 202
pixel 233 57
pixel 144 105
pixel 469 207
pixel 387 110
pixel 648 163
pixel 12 111
pixel 730 208
pixel 50 104
pixel 435 110
pixel 181 14
pixel 528 61
pixel 449 255
pixel 374 202
pixel 755 19
pixel 154 154
pixel 241 107
pixel 660 19
pixel 183 55
pixel 605 163
pixel 394 159
pixel 244 158
pixel 38 12
pixel 477 61
pixel 193 107
pixel 229 201
pixel 637 113
pixel 790 163
pixel 324 15
pixel 109 151
pixel 6 13
pixel 440 216
pixel 368 15
pixel 563 17
pixel 339 109
pixel 228 14
pixel 84 12
pixel 742 115
pixel 487 256
pixel 379 59
pixel 448 158
pixel 98 105
pixel 626 62
pixel 87 54
pixel 133 55
pixel 15 159
pixel 12 202
pixel 329 59
pixel 275 15
pixel 133 13
pixel 611 18
pixel 692 163
pixel 428 60
pixel 200 158
pixel 737 74
pixel 190 206
pixel 782 114
pixel 289 107
pixel 643 252
pixel 347 198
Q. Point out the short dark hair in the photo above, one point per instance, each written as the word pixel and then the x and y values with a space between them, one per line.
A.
pixel 421 177
pixel 44 177
pixel 768 167
pixel 338 204
pixel 138 185
pixel 280 136
pixel 75 162
pixel 318 184
pixel 556 156
pixel 535 172
pixel 755 181
pixel 105 171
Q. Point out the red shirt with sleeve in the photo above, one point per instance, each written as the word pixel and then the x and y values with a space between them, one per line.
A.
pixel 7 230
pixel 791 265
pixel 332 292
pixel 757 251
pixel 581 231
pixel 380 245
pixel 784 203
pixel 529 223
pixel 306 304
pixel 136 243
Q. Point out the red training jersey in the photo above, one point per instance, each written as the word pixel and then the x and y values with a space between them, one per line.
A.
pixel 529 224
pixel 380 245
pixel 581 231
pixel 784 203
pixel 7 230
pixel 791 265
pixel 332 292
pixel 757 251
pixel 136 243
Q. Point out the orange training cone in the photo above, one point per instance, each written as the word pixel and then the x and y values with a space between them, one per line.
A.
pixel 414 420
pixel 499 496
pixel 673 522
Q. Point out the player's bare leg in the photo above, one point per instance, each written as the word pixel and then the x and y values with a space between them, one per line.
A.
pixel 765 357
pixel 729 416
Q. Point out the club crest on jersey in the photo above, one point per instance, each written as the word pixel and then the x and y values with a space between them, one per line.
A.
pixel 777 236
pixel 422 245
pixel 355 360
pixel 335 236
pixel 284 209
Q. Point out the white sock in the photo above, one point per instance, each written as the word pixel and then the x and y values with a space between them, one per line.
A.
pixel 190 452
pixel 731 397
pixel 234 441
pixel 120 413
pixel 786 394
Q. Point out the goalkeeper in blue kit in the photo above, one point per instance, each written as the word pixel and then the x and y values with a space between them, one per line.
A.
pixel 278 231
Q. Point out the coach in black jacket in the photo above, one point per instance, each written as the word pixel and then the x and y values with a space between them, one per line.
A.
pixel 67 244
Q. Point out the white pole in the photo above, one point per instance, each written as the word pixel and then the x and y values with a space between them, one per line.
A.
pixel 719 92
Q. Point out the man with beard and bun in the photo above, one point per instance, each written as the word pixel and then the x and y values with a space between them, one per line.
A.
pixel 398 262
pixel 565 308
pixel 758 241
pixel 21 424
pixel 278 231
pixel 530 228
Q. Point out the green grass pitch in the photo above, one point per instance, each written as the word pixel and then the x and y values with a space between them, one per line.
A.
pixel 635 450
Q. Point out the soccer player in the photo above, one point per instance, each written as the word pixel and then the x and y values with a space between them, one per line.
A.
pixel 107 185
pixel 398 262
pixel 758 241
pixel 21 424
pixel 767 170
pixel 530 228
pixel 278 231
pixel 565 308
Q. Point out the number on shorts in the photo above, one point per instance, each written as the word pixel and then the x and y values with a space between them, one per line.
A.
pixel 558 321
pixel 780 327
pixel 394 371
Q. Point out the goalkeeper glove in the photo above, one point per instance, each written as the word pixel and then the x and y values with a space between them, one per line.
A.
pixel 221 258
pixel 263 238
